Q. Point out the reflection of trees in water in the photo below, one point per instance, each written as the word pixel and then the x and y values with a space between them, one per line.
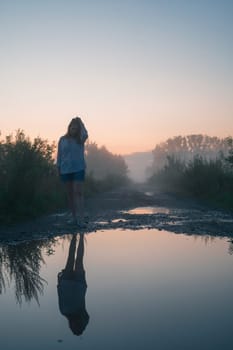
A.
pixel 230 248
pixel 204 238
pixel 21 265
pixel 210 239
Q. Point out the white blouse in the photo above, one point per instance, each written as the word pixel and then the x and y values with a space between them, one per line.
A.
pixel 70 155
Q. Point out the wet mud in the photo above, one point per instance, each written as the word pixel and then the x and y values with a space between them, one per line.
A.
pixel 130 208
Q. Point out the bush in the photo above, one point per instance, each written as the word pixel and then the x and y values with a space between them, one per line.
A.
pixel 29 184
pixel 170 178
pixel 204 178
pixel 211 180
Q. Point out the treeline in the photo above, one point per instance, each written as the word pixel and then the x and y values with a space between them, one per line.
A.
pixel 185 148
pixel 108 170
pixel 29 183
pixel 196 165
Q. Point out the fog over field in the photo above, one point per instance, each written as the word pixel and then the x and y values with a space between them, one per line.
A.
pixel 137 164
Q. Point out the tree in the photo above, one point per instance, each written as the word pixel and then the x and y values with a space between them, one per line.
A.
pixel 185 148
pixel 101 163
pixel 229 158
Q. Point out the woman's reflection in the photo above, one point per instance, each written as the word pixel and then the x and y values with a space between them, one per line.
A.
pixel 72 288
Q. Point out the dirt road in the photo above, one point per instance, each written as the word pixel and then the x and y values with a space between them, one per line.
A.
pixel 131 208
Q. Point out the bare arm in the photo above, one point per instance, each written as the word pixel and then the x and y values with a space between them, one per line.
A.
pixel 84 133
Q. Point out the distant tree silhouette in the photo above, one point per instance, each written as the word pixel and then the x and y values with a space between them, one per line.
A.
pixel 101 163
pixel 229 157
pixel 185 148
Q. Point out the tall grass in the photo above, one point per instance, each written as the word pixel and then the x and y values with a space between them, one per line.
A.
pixel 209 180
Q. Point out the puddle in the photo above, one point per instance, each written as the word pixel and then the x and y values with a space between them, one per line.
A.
pixel 123 293
pixel 150 194
pixel 119 220
pixel 147 210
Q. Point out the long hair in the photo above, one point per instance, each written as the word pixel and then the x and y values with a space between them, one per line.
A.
pixel 78 321
pixel 77 123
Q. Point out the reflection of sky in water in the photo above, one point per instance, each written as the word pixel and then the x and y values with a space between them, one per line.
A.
pixel 146 290
pixel 119 220
pixel 147 210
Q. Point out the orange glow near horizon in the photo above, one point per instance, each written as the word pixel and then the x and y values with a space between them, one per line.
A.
pixel 136 80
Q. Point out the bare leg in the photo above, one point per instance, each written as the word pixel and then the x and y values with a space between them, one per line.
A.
pixel 79 199
pixel 71 256
pixel 71 198
pixel 79 257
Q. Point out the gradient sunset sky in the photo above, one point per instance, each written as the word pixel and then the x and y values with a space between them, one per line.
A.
pixel 136 71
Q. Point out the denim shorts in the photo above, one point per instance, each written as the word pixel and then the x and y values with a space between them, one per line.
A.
pixel 77 176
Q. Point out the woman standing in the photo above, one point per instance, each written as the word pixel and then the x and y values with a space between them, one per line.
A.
pixel 71 167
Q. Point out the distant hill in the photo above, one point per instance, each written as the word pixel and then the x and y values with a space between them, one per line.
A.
pixel 137 164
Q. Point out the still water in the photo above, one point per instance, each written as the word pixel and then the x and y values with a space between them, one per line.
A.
pixel 143 289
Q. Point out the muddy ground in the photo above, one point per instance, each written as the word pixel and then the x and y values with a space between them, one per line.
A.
pixel 131 208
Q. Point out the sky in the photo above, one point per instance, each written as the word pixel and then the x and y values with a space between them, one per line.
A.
pixel 136 71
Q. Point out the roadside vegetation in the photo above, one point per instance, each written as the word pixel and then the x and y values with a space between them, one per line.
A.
pixel 203 171
pixel 29 183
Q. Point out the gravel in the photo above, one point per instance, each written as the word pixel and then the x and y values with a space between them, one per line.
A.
pixel 132 209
